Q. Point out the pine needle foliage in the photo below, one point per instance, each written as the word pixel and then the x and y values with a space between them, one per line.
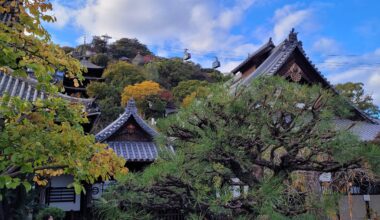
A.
pixel 255 140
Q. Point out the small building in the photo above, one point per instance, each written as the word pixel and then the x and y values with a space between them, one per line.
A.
pixel 131 138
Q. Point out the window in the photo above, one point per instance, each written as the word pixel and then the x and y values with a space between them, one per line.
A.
pixel 60 194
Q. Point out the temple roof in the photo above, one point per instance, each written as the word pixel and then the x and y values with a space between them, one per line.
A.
pixel 26 89
pixel 89 65
pixel 364 130
pixel 135 150
pixel 130 111
pixel 265 48
pixel 130 150
pixel 277 58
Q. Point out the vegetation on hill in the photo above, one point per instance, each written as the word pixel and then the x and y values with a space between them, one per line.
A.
pixel 119 74
pixel 108 93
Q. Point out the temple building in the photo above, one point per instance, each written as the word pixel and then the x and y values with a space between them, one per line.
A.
pixel 94 73
pixel 288 59
pixel 131 138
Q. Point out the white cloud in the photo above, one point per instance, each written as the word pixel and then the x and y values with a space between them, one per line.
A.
pixel 228 66
pixel 195 24
pixel 63 14
pixel 363 68
pixel 291 16
pixel 326 46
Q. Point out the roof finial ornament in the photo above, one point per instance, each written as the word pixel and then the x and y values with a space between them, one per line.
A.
pixel 131 106
pixel 270 40
pixel 293 36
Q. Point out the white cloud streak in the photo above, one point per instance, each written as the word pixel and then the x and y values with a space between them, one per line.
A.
pixel 363 68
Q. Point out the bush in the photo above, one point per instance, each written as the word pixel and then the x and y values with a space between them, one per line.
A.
pixel 58 214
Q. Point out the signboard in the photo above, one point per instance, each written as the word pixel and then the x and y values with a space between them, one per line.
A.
pixel 325 177
pixel 98 188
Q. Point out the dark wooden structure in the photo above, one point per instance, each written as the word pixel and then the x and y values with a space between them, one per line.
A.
pixel 94 73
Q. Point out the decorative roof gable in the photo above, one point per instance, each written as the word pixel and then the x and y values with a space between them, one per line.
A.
pixel 130 111
pixel 278 57
pixel 263 49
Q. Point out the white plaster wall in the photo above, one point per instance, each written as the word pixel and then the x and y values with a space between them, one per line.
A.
pixel 64 181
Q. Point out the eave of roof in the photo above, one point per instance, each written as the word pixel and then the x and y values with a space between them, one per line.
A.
pixel 130 111
pixel 264 48
pixel 90 65
pixel 135 151
pixel 26 89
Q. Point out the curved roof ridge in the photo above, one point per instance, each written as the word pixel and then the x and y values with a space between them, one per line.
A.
pixel 130 110
pixel 268 44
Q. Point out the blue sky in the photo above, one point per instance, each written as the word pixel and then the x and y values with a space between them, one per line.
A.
pixel 341 37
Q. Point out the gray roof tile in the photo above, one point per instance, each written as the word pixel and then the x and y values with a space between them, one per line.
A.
pixel 135 151
pixel 364 130
pixel 26 89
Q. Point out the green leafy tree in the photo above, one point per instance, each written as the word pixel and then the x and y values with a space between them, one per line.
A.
pixel 355 93
pixel 187 87
pixel 67 49
pixel 45 138
pixel 169 72
pixel 126 47
pixel 98 44
pixel 239 155
pixel 56 213
pixel 100 59
pixel 108 93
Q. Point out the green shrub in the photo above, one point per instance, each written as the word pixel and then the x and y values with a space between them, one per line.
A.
pixel 58 214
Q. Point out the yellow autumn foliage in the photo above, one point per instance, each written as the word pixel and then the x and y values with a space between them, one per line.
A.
pixel 188 99
pixel 201 92
pixel 139 91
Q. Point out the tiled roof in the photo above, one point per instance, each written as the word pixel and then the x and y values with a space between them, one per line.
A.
pixel 278 57
pixel 130 111
pixel 21 87
pixel 89 65
pixel 25 88
pixel 364 130
pixel 267 46
pixel 135 151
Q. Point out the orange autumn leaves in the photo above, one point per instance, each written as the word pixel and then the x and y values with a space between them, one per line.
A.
pixel 140 91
